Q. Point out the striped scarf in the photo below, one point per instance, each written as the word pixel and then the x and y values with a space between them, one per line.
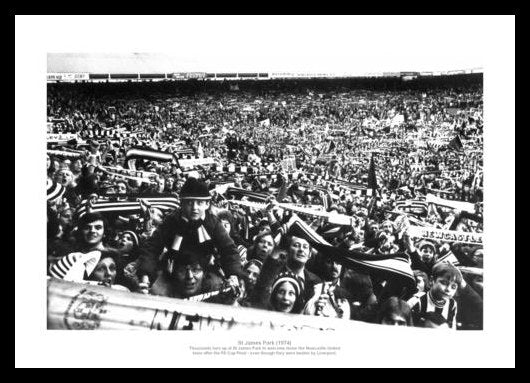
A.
pixel 412 206
pixel 148 154
pixel 132 205
pixel 238 193
pixel 392 266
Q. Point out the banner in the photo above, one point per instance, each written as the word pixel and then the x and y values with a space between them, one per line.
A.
pixel 189 163
pixel 61 137
pixel 139 176
pixel 458 205
pixel 445 235
pixel 74 306
pixel 64 153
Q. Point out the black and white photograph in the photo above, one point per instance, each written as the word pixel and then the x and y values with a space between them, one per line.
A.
pixel 272 191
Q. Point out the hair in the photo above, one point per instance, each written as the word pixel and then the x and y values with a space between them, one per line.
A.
pixel 227 216
pixel 359 285
pixel 319 265
pixel 262 235
pixel 444 269
pixel 120 265
pixel 89 218
pixel 255 262
pixel 289 240
pixel 252 250
pixel 422 275
pixel 394 305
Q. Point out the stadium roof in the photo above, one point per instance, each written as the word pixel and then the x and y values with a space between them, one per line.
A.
pixel 116 63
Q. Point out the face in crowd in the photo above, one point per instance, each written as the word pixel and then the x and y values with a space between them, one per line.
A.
pixel 443 288
pixel 332 269
pixel 121 188
pixel 299 251
pixel 77 166
pixel 105 271
pixel 478 258
pixel 426 254
pixel 126 242
pixel 64 177
pixel 252 272
pixel 420 283
pixel 189 279
pixel 284 297
pixel 194 209
pixel 265 246
pixel 387 228
pixel 93 233
pixel 170 183
pixel 66 216
pixel 226 225
pixel 160 184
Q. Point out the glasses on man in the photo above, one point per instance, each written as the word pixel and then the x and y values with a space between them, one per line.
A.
pixel 183 270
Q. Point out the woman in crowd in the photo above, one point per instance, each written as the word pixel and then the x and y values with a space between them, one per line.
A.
pixel 285 294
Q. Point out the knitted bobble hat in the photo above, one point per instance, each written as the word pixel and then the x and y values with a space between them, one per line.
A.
pixel 287 277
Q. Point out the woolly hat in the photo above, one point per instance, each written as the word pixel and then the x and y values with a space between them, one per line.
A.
pixel 287 277
pixel 195 189
pixel 133 235
pixel 53 190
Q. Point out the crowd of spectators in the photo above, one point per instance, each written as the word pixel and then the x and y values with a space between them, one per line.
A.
pixel 286 196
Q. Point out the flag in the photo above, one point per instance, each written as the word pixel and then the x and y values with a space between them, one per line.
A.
pixel 372 180
pixel 456 144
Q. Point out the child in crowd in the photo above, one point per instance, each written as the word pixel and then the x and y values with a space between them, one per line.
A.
pixel 444 283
